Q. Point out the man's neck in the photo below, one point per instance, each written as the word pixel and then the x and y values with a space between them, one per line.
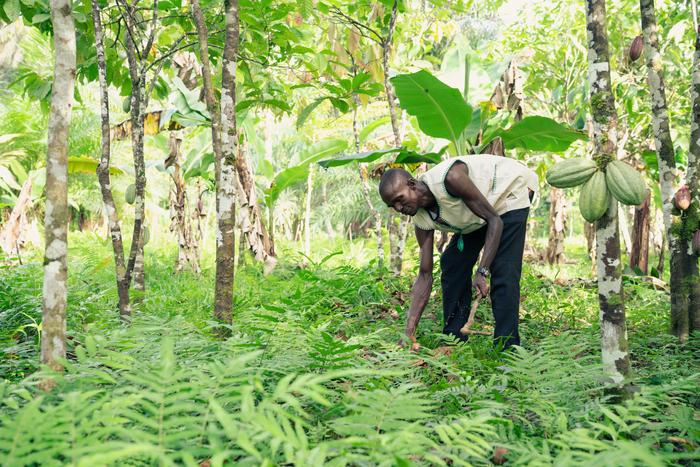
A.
pixel 426 199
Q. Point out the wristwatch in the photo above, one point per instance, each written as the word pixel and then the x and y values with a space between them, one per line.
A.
pixel 484 271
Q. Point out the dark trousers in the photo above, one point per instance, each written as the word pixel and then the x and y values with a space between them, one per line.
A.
pixel 456 278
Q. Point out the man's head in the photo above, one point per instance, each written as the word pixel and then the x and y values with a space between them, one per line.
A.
pixel 398 190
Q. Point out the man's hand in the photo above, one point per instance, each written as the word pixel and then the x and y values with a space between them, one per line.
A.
pixel 480 284
pixel 409 339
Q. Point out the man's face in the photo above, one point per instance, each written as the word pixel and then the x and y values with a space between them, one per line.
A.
pixel 403 198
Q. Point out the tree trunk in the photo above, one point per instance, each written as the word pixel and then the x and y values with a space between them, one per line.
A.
pixel 138 104
pixel 693 182
pixel 103 169
pixel 250 217
pixel 640 241
pixel 179 219
pixel 224 143
pixel 226 185
pixel 397 265
pixel 557 226
pixel 53 328
pixel 364 179
pixel 610 294
pixel 307 211
pixel 589 233
pixel 386 52
pixel 624 228
pixel 139 271
pixel 667 169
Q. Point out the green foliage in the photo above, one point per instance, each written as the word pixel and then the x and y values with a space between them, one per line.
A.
pixel 440 109
pixel 311 376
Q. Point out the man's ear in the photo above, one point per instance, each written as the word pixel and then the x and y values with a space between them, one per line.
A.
pixel 412 183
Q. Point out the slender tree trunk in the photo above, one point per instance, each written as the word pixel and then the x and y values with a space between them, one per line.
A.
pixel 386 53
pixel 693 182
pixel 307 211
pixel 364 179
pixel 640 241
pixel 53 328
pixel 227 180
pixel 138 101
pixel 103 169
pixel 557 226
pixel 139 266
pixel 610 294
pixel 667 169
pixel 624 228
pixel 225 145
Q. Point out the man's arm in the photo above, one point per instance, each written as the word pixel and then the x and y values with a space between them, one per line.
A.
pixel 424 281
pixel 459 184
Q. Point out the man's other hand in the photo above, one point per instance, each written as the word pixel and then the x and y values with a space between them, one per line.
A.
pixel 481 286
pixel 409 340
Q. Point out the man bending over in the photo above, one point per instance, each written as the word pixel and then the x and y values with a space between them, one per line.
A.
pixel 484 200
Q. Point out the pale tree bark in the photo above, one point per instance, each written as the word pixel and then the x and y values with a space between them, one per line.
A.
pixel 613 327
pixel 693 182
pixel 225 145
pixel 139 272
pixel 364 179
pixel 227 180
pixel 624 228
pixel 386 53
pixel 53 328
pixel 667 169
pixel 557 226
pixel 307 211
pixel 397 238
pixel 639 258
pixel 103 169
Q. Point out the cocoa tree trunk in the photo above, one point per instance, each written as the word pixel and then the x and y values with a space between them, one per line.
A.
pixel 557 226
pixel 640 237
pixel 139 271
pixel 693 182
pixel 226 185
pixel 386 52
pixel 103 169
pixel 615 354
pixel 53 329
pixel 138 107
pixel 364 179
pixel 307 211
pixel 667 169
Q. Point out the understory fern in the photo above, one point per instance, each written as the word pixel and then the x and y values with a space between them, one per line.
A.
pixel 313 377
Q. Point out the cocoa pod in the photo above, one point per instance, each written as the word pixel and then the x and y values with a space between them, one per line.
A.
pixel 636 48
pixel 695 243
pixel 681 200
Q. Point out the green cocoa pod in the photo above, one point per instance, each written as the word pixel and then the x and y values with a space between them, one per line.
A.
pixel 126 104
pixel 571 172
pixel 130 194
pixel 146 234
pixel 625 183
pixel 594 198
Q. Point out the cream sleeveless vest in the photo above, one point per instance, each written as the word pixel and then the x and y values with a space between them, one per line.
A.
pixel 504 183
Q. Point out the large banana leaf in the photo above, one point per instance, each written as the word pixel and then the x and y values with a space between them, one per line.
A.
pixel 539 134
pixel 298 173
pixel 404 156
pixel 440 109
pixel 87 165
